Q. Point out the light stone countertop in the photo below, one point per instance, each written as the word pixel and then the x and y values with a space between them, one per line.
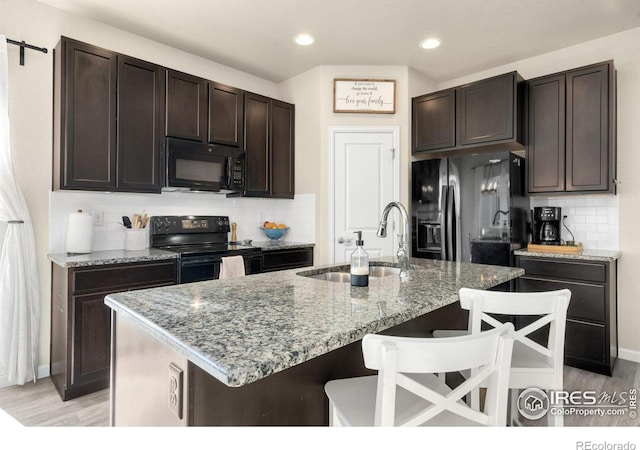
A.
pixel 269 245
pixel 104 257
pixel 586 255
pixel 244 329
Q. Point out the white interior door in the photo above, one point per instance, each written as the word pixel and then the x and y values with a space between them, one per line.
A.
pixel 365 179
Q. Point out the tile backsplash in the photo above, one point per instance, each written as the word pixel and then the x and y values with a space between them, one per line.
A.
pixel 592 219
pixel 248 213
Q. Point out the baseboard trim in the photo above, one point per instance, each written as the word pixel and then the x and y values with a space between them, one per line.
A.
pixel 629 355
pixel 43 372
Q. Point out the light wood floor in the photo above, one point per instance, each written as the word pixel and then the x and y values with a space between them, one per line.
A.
pixel 38 404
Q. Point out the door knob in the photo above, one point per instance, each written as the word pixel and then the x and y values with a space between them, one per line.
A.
pixel 347 241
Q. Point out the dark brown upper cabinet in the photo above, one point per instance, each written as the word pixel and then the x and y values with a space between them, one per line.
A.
pixel 140 125
pixel 107 120
pixel 256 140
pixel 590 129
pixel 545 155
pixel 186 106
pixel 269 142
pixel 434 121
pixel 112 113
pixel 485 113
pixel 488 110
pixel 226 115
pixel 282 182
pixel 84 116
pixel 572 146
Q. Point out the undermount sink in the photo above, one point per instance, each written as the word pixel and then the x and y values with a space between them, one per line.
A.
pixel 344 277
pixel 383 271
pixel 332 276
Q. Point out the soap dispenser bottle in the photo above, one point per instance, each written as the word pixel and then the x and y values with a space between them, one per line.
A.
pixel 359 264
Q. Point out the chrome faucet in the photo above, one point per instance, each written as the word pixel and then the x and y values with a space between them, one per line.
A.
pixel 403 239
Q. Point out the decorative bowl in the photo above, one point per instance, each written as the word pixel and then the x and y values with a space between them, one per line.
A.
pixel 274 233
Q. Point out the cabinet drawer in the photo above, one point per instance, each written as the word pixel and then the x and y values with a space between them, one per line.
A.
pixel 584 340
pixel 588 301
pixel 582 271
pixel 287 259
pixel 123 276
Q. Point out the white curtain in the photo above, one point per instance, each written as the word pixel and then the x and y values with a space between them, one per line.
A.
pixel 19 290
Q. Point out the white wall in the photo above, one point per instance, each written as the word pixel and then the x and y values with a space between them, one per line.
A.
pixel 312 93
pixel 623 49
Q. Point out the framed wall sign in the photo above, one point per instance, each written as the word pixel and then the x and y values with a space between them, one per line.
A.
pixel 352 95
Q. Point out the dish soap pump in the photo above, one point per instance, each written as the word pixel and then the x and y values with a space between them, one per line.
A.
pixel 359 264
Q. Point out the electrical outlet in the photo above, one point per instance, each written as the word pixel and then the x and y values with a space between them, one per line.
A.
pixel 175 390
pixel 98 218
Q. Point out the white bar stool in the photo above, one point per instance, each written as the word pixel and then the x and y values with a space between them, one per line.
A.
pixel 532 364
pixel 406 391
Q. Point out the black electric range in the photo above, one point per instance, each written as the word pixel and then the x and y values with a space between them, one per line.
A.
pixel 202 242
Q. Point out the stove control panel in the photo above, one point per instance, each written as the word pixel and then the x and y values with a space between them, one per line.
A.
pixel 193 224
pixel 189 224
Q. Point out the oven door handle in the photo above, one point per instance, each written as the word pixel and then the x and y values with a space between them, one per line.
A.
pixel 199 261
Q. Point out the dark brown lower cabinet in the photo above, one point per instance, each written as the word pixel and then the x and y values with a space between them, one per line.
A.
pixel 591 336
pixel 81 323
pixel 290 258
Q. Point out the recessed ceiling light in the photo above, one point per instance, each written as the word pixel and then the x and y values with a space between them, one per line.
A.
pixel 430 43
pixel 304 39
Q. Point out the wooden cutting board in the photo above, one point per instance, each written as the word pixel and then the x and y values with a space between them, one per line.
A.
pixel 558 249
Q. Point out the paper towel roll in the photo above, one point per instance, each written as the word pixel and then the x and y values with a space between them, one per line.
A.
pixel 79 232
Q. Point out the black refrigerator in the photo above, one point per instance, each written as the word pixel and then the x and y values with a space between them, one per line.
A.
pixel 469 208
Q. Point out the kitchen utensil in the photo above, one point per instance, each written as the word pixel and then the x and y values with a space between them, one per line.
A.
pixel 126 221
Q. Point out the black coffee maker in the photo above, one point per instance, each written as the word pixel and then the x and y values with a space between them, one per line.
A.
pixel 546 225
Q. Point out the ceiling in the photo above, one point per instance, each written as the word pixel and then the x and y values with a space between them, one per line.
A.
pixel 256 36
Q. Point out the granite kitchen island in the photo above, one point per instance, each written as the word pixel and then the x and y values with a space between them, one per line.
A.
pixel 257 350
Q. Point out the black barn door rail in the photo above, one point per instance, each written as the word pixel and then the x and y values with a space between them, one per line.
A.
pixel 24 45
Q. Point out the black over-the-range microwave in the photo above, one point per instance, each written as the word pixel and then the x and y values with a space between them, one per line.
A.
pixel 203 167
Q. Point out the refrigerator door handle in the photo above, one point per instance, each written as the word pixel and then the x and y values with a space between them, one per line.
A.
pixel 451 254
pixel 443 221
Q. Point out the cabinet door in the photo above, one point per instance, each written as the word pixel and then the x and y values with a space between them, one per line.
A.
pixel 282 149
pixel 546 144
pixel 256 139
pixel 89 113
pixel 433 117
pixel 588 129
pixel 186 106
pixel 140 116
pixel 91 339
pixel 226 110
pixel 486 111
pixel 585 341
